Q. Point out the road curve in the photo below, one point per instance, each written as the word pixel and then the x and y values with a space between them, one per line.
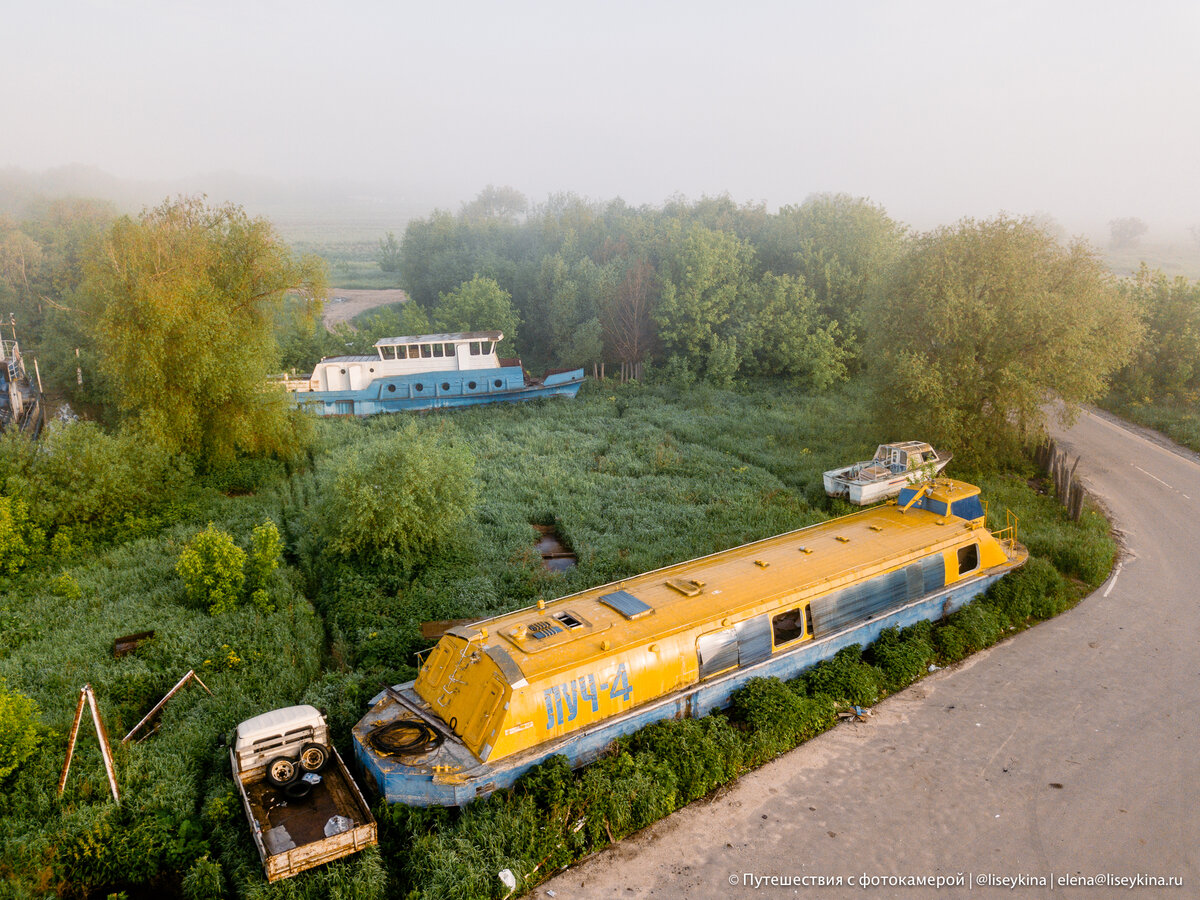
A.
pixel 1072 750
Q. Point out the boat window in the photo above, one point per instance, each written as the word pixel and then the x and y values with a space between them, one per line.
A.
pixel 968 508
pixel 449 349
pixel 414 351
pixel 968 559
pixel 487 347
pixel 439 349
pixel 788 626
pixel 426 351
pixel 808 619
pixel 937 507
pixel 471 385
pixel 445 385
pixel 401 351
pixel 475 351
pixel 717 652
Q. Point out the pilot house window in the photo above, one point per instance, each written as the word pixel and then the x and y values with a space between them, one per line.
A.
pixel 788 626
pixel 475 351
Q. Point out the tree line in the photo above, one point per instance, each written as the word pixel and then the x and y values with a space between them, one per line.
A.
pixel 167 323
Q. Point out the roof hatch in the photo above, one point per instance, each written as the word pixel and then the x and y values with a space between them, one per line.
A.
pixel 626 604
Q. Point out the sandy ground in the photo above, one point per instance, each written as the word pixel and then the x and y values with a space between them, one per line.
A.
pixel 343 305
pixel 1068 751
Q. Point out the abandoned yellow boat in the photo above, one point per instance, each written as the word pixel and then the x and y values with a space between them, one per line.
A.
pixel 566 677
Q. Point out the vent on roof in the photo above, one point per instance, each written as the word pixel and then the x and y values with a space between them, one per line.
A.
pixel 543 629
pixel 689 587
pixel 626 604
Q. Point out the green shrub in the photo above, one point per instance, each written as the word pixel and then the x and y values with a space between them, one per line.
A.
pixel 777 716
pixel 902 656
pixel 400 498
pixel 19 729
pixel 266 551
pixel 212 567
pixel 845 678
pixel 20 539
pixel 204 880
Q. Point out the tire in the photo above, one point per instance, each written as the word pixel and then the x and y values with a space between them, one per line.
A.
pixel 297 790
pixel 282 771
pixel 313 757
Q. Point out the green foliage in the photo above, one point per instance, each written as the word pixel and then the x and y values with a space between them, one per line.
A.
pixel 212 567
pixel 478 305
pixel 980 322
pixel 1166 365
pixel 399 499
pixel 266 551
pixel 902 656
pixel 181 304
pixel 845 678
pixel 389 254
pixel 204 880
pixel 20 539
pixel 19 729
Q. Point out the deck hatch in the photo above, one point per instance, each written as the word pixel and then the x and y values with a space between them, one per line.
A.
pixel 626 604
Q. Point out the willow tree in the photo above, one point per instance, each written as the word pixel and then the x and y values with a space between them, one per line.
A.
pixel 181 304
pixel 982 324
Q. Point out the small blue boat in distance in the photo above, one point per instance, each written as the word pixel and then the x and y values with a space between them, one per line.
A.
pixel 425 371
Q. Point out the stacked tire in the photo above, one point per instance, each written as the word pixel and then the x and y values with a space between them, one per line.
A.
pixel 287 773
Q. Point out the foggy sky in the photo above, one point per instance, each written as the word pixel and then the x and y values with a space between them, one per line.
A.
pixel 1084 111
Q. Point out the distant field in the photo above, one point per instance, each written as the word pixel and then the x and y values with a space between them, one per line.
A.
pixel 1174 259
pixel 343 305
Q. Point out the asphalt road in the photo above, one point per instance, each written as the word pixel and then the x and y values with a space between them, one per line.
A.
pixel 1070 750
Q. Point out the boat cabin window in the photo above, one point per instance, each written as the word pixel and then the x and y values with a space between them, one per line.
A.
pixel 439 349
pixel 968 559
pixel 968 508
pixel 426 351
pixel 788 626
pixel 487 347
pixel 401 351
pixel 475 349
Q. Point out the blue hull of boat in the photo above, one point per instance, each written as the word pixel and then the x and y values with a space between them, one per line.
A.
pixel 416 783
pixel 439 390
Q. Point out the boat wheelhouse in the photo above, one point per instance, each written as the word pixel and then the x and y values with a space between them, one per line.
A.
pixel 426 371
pixel 894 467
pixel 497 697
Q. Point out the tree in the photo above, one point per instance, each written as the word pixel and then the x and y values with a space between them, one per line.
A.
pixel 982 322
pixel 1167 362
pixel 783 333
pixel 20 725
pixel 399 499
pixel 212 567
pixel 389 254
pixel 505 204
pixel 181 305
pixel 625 315
pixel 704 275
pixel 478 305
pixel 1126 231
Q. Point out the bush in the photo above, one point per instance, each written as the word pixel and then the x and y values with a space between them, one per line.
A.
pixel 19 729
pixel 212 568
pixel 902 656
pixel 266 550
pixel 777 716
pixel 400 498
pixel 20 540
pixel 845 678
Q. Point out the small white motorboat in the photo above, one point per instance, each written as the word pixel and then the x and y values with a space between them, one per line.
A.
pixel 893 467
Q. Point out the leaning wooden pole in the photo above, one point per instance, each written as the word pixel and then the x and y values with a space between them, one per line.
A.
pixel 62 779
pixel 105 752
pixel 191 675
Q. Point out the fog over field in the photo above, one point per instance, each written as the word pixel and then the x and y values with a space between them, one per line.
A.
pixel 1084 111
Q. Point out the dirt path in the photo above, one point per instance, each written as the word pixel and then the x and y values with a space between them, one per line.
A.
pixel 1068 752
pixel 343 305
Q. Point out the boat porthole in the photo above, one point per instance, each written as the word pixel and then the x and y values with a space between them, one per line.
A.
pixel 391 389
pixel 372 370
pixel 419 387
pixel 343 372
pixel 471 385
pixel 445 385
pixel 498 383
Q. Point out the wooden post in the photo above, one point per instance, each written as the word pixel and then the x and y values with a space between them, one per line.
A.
pixel 62 779
pixel 105 752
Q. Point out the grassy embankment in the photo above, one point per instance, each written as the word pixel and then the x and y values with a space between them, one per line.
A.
pixel 634 477
pixel 1178 419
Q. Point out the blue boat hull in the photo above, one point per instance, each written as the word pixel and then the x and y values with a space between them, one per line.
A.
pixel 440 390
pixel 419 783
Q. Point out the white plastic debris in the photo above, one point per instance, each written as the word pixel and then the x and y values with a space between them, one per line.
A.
pixel 336 825
pixel 312 778
pixel 933 668
pixel 507 879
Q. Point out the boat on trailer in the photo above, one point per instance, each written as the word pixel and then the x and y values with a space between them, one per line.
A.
pixel 425 371
pixel 894 467
pixel 496 697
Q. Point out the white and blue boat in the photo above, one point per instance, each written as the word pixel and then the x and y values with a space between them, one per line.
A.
pixel 426 371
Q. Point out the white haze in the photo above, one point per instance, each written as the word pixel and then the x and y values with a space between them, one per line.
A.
pixel 1084 111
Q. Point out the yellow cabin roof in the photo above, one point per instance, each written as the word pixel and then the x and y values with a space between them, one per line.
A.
pixel 796 565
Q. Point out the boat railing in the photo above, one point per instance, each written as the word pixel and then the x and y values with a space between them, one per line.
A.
pixel 1007 536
